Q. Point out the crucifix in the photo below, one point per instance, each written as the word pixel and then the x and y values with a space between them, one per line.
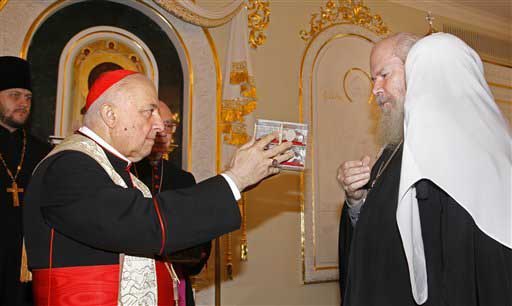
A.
pixel 14 187
pixel 15 190
pixel 430 19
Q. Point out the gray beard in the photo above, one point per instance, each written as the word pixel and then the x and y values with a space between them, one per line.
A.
pixel 391 127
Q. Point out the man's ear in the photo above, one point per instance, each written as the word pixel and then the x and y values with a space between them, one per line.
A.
pixel 108 115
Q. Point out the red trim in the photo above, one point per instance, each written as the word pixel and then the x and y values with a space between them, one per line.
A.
pixel 162 228
pixel 159 215
pixel 153 191
pixel 292 163
pixel 52 235
pixel 295 143
pixel 127 169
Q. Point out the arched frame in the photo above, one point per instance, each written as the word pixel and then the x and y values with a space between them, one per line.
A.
pixel 66 110
pixel 333 81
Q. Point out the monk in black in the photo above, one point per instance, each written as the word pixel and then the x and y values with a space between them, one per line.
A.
pixel 373 267
pixel 11 145
pixel 465 267
pixel 18 149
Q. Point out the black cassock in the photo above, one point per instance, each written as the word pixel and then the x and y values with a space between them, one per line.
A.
pixel 164 175
pixel 12 291
pixel 465 267
pixel 95 220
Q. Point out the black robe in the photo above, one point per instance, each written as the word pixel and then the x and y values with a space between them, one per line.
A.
pixel 190 261
pixel 12 291
pixel 95 220
pixel 465 267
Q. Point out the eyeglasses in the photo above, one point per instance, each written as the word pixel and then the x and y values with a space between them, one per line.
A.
pixel 170 125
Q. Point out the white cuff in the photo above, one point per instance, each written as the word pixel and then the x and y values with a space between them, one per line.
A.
pixel 232 185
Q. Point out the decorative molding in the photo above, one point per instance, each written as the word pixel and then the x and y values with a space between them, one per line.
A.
pixel 192 13
pixel 344 12
pixel 81 54
pixel 487 46
pixel 258 20
pixel 461 13
pixel 499 78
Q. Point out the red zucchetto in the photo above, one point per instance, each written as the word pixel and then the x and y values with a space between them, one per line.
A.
pixel 104 82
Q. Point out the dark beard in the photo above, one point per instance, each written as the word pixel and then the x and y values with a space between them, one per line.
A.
pixel 10 122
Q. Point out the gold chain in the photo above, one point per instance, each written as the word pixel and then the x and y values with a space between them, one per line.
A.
pixel 385 165
pixel 18 169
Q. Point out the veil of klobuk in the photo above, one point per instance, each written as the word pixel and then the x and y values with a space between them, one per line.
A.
pixel 456 137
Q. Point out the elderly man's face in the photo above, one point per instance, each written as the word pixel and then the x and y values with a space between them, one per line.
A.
pixel 139 120
pixel 14 107
pixel 163 138
pixel 388 75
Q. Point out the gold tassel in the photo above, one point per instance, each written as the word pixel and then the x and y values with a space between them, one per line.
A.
pixel 229 258
pixel 237 77
pixel 25 275
pixel 238 73
pixel 244 249
pixel 249 107
pixel 248 90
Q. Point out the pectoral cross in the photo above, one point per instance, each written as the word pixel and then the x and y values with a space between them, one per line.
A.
pixel 15 190
pixel 430 19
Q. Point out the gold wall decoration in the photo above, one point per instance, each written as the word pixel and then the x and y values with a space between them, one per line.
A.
pixel 344 12
pixel 233 124
pixel 233 110
pixel 346 85
pixel 258 20
pixel 3 3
